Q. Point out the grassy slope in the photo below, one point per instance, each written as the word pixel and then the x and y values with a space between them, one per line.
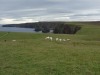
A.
pixel 31 54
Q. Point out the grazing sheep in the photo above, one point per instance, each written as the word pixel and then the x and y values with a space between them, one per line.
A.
pixel 64 40
pixel 51 38
pixel 60 40
pixel 57 39
pixel 47 37
pixel 13 40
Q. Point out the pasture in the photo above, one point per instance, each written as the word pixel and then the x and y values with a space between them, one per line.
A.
pixel 31 54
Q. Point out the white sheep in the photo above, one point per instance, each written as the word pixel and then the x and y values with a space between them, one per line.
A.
pixel 57 39
pixel 47 37
pixel 68 39
pixel 13 40
pixel 60 40
pixel 64 40
pixel 51 38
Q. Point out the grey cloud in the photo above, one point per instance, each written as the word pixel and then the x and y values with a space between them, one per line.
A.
pixel 49 9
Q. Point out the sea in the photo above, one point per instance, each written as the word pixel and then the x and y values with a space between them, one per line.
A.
pixel 17 29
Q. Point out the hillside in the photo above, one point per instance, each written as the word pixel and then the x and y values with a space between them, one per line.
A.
pixel 31 54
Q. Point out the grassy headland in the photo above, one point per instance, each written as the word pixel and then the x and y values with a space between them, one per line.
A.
pixel 31 54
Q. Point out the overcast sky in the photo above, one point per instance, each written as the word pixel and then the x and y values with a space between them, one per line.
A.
pixel 21 11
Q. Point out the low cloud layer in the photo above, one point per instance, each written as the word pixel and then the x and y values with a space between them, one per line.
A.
pixel 21 11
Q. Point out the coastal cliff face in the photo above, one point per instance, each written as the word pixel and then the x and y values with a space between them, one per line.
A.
pixel 45 27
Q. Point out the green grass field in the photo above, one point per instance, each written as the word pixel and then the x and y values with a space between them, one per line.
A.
pixel 31 54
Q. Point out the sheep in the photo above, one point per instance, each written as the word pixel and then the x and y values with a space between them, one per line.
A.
pixel 13 40
pixel 47 37
pixel 60 40
pixel 57 39
pixel 51 38
pixel 68 39
pixel 64 40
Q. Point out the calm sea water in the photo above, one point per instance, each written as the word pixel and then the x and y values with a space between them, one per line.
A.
pixel 16 29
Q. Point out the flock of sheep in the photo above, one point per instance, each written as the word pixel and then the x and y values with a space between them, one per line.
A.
pixel 51 39
pixel 56 39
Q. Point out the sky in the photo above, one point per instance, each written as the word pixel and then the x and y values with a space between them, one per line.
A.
pixel 22 11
